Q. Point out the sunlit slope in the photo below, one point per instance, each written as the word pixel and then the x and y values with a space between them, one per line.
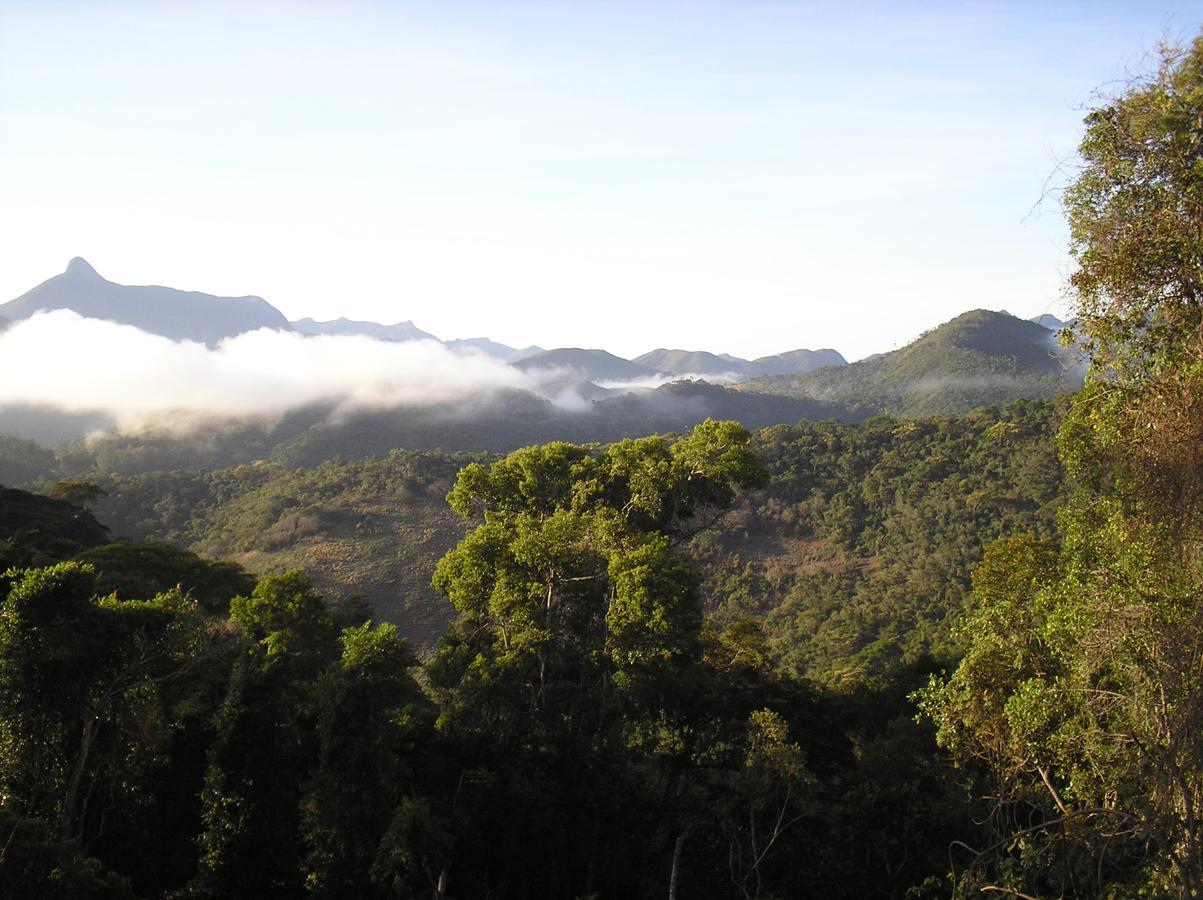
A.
pixel 374 528
pixel 980 358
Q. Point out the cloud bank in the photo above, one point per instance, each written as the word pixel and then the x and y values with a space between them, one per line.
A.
pixel 62 360
pixel 651 382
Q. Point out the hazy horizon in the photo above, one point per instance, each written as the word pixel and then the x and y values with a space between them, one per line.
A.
pixel 743 178
pixel 451 339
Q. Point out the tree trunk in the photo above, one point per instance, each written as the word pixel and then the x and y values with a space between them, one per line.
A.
pixel 81 761
pixel 672 878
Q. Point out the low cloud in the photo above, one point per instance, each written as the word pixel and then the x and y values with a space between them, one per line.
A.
pixel 651 382
pixel 61 360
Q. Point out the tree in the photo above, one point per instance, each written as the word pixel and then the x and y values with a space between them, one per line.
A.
pixel 1136 221
pixel 570 584
pixel 366 832
pixel 579 624
pixel 78 493
pixel 263 749
pixel 134 569
pixel 87 689
pixel 767 801
pixel 1081 687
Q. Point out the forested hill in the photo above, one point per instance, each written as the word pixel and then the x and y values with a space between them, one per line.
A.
pixel 39 530
pixel 980 358
pixel 313 435
pixel 586 365
pixel 857 552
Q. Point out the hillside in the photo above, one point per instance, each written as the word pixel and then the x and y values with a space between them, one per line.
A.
pixel 585 365
pixel 179 315
pixel 374 527
pixel 310 436
pixel 855 555
pixel 795 361
pixel 40 530
pixel 690 362
pixel 980 358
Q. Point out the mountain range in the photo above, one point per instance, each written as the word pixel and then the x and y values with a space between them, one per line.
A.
pixel 190 315
pixel 401 331
pixel 699 362
pixel 980 358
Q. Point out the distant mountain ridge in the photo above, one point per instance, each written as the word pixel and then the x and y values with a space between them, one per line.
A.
pixel 401 331
pixel 978 358
pixel 796 361
pixel 191 315
pixel 700 362
pixel 690 362
pixel 587 365
pixel 176 314
pixel 491 348
pixel 1051 322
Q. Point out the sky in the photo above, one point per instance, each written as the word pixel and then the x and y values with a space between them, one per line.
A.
pixel 744 177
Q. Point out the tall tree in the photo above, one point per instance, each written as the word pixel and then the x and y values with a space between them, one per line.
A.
pixel 87 694
pixel 366 830
pixel 578 624
pixel 264 748
pixel 1082 687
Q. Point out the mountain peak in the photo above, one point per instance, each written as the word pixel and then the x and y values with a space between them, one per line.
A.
pixel 179 315
pixel 81 267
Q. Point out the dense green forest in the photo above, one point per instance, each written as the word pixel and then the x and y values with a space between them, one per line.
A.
pixel 902 657
pixel 863 538
pixel 582 728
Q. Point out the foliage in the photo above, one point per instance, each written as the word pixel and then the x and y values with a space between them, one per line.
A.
pixel 89 689
pixel 859 551
pixel 38 531
pixel 131 570
pixel 79 493
pixel 23 461
pixel 1080 688
pixel 863 541
pixel 609 740
pixel 373 528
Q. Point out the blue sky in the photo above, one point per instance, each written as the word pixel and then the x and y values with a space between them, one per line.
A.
pixel 742 177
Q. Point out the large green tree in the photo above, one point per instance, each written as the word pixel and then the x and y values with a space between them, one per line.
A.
pixel 92 697
pixel 1082 685
pixel 577 644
